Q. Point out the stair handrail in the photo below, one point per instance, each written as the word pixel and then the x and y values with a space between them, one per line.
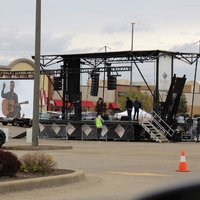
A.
pixel 151 133
pixel 145 117
pixel 156 122
pixel 159 121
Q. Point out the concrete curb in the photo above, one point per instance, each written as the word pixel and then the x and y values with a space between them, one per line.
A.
pixel 41 182
pixel 35 148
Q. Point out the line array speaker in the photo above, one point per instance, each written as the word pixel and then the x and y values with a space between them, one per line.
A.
pixel 57 83
pixel 73 79
pixel 94 85
pixel 112 82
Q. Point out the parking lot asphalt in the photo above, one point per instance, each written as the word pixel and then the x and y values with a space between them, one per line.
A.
pixel 112 169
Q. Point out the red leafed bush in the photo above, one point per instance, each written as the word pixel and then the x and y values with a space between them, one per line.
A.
pixel 9 164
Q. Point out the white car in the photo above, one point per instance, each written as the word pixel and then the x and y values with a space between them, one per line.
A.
pixel 88 115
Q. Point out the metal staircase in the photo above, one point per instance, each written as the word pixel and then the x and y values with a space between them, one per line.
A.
pixel 158 130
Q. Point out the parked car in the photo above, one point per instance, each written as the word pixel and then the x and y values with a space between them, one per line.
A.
pixel 54 115
pixel 88 115
pixel 112 118
pixel 190 127
pixel 70 115
pixel 16 121
pixel 44 115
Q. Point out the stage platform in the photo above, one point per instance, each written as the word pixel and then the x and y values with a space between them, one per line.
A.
pixel 86 129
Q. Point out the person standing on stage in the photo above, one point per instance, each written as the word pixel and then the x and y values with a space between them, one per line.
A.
pixel 99 106
pixel 136 105
pixel 129 107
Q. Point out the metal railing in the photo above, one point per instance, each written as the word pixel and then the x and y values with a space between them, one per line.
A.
pixel 53 131
pixel 90 132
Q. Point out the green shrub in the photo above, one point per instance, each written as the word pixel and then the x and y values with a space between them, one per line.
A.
pixel 9 164
pixel 37 163
pixel 196 115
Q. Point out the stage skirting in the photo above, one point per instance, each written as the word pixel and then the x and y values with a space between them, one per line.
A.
pixel 86 130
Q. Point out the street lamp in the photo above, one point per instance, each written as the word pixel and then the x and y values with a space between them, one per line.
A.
pixel 132 24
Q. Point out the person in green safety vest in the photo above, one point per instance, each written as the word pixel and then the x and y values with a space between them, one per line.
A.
pixel 99 123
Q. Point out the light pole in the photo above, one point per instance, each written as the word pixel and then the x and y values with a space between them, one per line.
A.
pixel 131 75
pixel 36 74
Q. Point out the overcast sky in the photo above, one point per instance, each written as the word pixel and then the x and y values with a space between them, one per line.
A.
pixel 87 26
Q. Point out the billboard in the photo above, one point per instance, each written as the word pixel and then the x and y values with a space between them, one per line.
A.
pixel 165 72
pixel 16 99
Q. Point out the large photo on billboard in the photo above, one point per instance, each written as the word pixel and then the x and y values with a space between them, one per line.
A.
pixel 16 99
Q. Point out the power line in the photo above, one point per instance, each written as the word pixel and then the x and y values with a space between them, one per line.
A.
pixel 190 45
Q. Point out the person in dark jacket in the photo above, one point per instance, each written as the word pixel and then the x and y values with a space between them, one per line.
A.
pixel 136 105
pixel 99 106
pixel 129 107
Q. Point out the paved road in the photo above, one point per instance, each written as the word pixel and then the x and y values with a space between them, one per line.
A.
pixel 114 170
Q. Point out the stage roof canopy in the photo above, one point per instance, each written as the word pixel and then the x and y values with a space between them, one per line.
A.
pixel 96 59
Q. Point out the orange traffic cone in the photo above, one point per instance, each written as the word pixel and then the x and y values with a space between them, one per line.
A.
pixel 182 165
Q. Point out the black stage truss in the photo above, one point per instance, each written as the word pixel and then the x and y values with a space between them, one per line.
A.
pixel 113 60
pixel 96 59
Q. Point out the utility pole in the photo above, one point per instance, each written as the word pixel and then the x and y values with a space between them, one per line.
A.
pixel 131 72
pixel 35 129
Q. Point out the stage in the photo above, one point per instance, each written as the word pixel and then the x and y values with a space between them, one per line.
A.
pixel 86 130
pixel 111 131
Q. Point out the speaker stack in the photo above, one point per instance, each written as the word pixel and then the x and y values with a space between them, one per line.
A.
pixel 94 85
pixel 112 82
pixel 57 83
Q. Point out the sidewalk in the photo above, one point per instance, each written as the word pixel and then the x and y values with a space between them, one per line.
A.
pixel 21 144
